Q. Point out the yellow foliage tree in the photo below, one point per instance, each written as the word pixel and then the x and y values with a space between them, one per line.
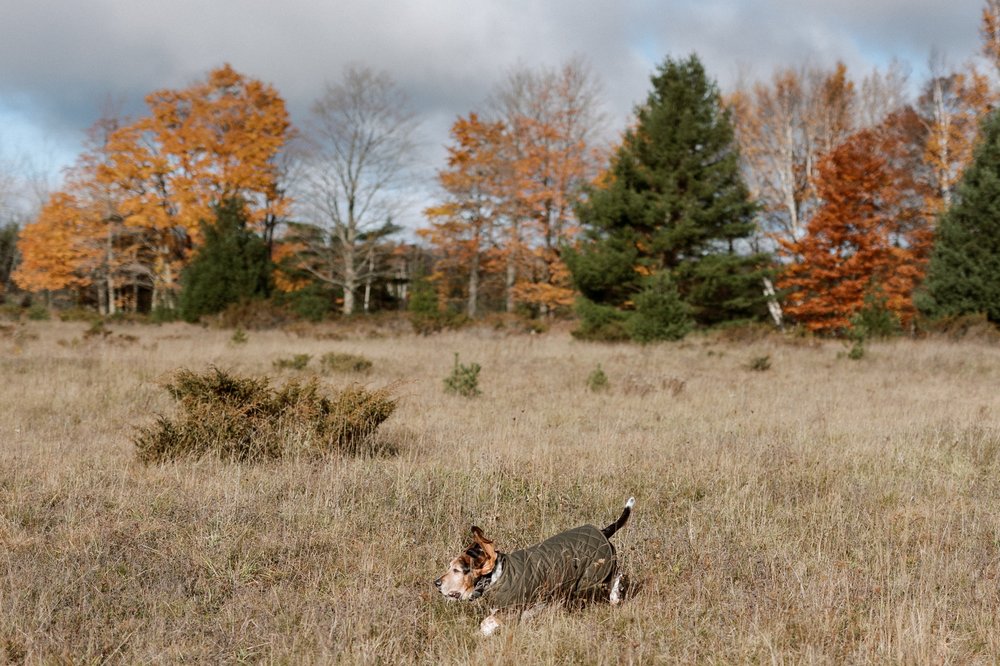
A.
pixel 214 141
pixel 52 254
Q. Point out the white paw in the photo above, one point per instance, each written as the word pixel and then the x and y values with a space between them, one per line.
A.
pixel 489 625
pixel 616 591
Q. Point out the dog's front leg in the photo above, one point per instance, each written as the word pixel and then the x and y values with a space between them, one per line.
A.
pixel 490 624
pixel 534 610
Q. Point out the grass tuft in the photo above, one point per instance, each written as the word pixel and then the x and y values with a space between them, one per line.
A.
pixel 296 362
pixel 340 362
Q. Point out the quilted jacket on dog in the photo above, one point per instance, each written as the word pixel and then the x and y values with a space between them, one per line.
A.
pixel 571 564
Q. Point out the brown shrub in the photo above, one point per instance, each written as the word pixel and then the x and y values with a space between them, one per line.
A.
pixel 244 419
pixel 341 362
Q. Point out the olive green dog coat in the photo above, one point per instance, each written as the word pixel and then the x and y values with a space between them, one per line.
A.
pixel 572 564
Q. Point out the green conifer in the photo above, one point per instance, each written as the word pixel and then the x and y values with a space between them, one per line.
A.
pixel 673 202
pixel 964 272
pixel 232 265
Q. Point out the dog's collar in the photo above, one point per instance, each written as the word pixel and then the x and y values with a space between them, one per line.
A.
pixel 485 582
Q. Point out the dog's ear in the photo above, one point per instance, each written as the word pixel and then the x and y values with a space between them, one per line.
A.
pixel 486 559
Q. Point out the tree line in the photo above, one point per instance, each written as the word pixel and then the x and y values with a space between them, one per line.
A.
pixel 811 197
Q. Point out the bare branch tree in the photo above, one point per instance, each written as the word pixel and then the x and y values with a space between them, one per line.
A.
pixel 882 93
pixel 359 157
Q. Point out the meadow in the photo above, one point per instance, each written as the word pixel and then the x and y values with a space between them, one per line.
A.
pixel 819 510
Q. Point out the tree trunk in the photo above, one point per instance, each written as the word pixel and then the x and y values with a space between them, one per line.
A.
pixel 368 278
pixel 350 284
pixel 512 265
pixel 109 262
pixel 473 304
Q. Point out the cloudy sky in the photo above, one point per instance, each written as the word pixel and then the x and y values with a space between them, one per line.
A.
pixel 60 60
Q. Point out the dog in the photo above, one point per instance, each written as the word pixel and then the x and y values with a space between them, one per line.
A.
pixel 580 563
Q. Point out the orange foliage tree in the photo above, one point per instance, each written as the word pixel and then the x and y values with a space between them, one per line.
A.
pixel 76 240
pixel 214 141
pixel 462 226
pixel 869 238
pixel 952 106
pixel 52 258
pixel 553 118
pixel 511 186
pixel 783 127
pixel 135 200
pixel 989 30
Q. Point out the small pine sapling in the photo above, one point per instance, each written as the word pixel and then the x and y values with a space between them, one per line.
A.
pixel 463 380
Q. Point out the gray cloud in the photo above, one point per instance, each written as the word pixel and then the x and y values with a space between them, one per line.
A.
pixel 59 60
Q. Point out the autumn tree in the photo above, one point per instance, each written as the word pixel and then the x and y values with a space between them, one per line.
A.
pixel 964 272
pixel 554 122
pixel 784 126
pixel 360 139
pixel 519 173
pixel 24 189
pixel 952 106
pixel 476 187
pixel 989 30
pixel 199 146
pixel 882 92
pixel 52 256
pixel 869 238
pixel 673 202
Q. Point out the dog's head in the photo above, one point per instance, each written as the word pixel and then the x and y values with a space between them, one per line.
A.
pixel 478 560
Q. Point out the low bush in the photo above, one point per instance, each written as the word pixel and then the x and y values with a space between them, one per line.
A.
pixel 963 327
pixel 463 380
pixel 296 362
pixel 98 330
pixel 79 314
pixel 11 311
pixel 600 323
pixel 39 312
pixel 244 419
pixel 340 362
pixel 597 381
pixel 254 314
pixel 759 363
pixel 642 385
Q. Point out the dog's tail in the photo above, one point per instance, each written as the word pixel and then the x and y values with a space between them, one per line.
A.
pixel 609 531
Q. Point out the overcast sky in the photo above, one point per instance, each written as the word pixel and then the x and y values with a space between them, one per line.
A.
pixel 61 59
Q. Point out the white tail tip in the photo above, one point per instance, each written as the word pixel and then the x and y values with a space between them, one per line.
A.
pixel 630 503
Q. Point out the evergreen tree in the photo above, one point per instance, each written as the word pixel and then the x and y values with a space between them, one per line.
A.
pixel 660 314
pixel 964 272
pixel 8 255
pixel 674 202
pixel 232 265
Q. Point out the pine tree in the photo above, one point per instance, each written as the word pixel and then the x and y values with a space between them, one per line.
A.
pixel 964 272
pixel 673 201
pixel 232 265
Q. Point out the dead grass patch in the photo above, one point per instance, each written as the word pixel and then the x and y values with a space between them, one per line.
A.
pixel 822 512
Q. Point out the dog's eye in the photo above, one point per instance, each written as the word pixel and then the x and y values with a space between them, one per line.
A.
pixel 456 570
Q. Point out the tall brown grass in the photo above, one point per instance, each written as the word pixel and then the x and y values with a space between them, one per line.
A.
pixel 823 511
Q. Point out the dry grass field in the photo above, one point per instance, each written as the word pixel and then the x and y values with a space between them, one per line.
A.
pixel 821 511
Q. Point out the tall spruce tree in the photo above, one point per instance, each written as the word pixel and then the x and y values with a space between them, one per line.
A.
pixel 232 264
pixel 964 272
pixel 673 202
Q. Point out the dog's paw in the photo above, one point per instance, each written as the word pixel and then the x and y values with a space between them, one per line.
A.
pixel 616 591
pixel 488 626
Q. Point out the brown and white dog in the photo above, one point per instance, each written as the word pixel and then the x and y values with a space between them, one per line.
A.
pixel 580 563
